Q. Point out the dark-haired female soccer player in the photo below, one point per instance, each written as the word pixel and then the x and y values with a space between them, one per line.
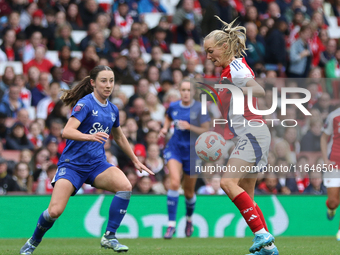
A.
pixel 83 159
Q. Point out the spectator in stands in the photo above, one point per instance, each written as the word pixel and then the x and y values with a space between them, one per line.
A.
pixel 33 78
pixel 329 53
pixel 121 71
pixel 7 79
pixel 144 186
pixel 60 111
pixel 101 45
pixel 156 109
pixel 73 17
pixel 56 128
pixel 14 21
pixel 57 75
pixel 190 71
pixel 141 90
pixel 25 94
pixel 7 183
pixel 39 164
pixel 103 21
pixel 116 41
pixel 25 156
pixel 41 90
pixel 209 70
pixel 165 25
pixel 332 68
pixel 26 15
pixel 177 77
pixel 291 137
pixel 69 73
pixel 64 57
pixel 167 73
pixel 44 182
pixel 336 8
pixel 21 174
pixel 256 49
pixel 188 30
pixel 7 45
pixel 268 186
pixel 29 50
pixel 90 58
pixel 153 77
pixel 132 128
pixel 36 24
pixel 132 176
pixel 221 8
pixel 43 64
pixel 17 139
pixel 88 10
pixel 50 28
pixel 287 183
pixel 136 34
pixel 324 105
pixel 147 6
pixel 156 58
pixel 93 28
pixel 212 187
pixel 186 12
pixel 52 146
pixel 139 69
pixel 35 135
pixel 159 40
pixel 311 140
pixel 64 38
pixel 109 156
pixel 154 162
pixel 122 18
pixel 252 16
pixel 190 51
pixel 316 186
pixel 46 105
pixel 300 55
pixel 11 103
pixel 166 85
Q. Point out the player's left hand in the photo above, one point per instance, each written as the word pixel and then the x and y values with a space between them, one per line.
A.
pixel 140 167
pixel 184 125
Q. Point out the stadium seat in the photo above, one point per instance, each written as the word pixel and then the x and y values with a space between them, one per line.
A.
pixel 146 57
pixel 333 29
pixel 53 56
pixel 152 19
pixel 170 6
pixel 177 49
pixel 11 155
pixel 77 54
pixel 17 65
pixel 199 68
pixel 128 90
pixel 167 58
pixel 78 35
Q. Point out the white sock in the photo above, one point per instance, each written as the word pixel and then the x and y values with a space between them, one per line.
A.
pixel 270 246
pixel 188 218
pixel 261 231
pixel 172 223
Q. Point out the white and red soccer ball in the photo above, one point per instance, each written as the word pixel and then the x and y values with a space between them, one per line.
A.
pixel 210 146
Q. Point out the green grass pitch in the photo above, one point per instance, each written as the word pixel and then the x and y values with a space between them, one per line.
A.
pixel 194 246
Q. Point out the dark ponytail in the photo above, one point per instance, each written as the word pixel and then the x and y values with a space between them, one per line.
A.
pixel 83 88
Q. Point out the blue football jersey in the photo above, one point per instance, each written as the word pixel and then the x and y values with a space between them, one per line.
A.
pixel 192 114
pixel 94 117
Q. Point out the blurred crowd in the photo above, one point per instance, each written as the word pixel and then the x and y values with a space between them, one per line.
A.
pixel 288 46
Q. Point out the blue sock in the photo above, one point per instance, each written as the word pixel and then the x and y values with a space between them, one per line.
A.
pixel 172 204
pixel 45 222
pixel 190 204
pixel 117 211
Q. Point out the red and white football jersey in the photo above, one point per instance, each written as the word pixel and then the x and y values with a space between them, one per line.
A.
pixel 239 73
pixel 332 128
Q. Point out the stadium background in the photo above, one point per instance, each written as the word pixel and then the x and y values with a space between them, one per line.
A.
pixel 151 50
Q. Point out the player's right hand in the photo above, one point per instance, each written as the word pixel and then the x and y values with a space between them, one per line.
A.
pixel 162 132
pixel 99 137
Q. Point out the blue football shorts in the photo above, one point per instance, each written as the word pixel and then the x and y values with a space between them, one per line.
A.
pixel 78 175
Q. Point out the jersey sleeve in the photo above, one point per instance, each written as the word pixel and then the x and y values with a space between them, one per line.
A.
pixel 169 111
pixel 240 74
pixel 328 127
pixel 115 117
pixel 80 111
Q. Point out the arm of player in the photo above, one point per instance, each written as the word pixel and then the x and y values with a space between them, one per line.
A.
pixel 256 88
pixel 71 132
pixel 123 143
pixel 166 126
pixel 323 144
pixel 201 129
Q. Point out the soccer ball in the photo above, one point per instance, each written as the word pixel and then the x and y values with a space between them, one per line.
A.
pixel 210 146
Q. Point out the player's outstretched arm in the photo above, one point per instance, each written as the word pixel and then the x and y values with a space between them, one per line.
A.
pixel 71 132
pixel 123 143
pixel 166 126
pixel 201 129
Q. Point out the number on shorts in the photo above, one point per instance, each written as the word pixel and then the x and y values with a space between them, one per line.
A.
pixel 242 144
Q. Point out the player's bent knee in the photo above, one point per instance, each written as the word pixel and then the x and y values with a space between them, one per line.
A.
pixel 189 194
pixel 333 203
pixel 126 187
pixel 55 212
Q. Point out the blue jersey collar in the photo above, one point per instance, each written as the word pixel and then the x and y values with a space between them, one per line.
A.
pixel 95 99
pixel 187 106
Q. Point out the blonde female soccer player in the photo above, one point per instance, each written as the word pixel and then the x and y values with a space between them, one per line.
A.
pixel 225 48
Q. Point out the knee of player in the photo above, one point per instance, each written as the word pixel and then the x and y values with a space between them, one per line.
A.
pixel 126 187
pixel 189 193
pixel 174 185
pixel 333 202
pixel 55 212
pixel 227 184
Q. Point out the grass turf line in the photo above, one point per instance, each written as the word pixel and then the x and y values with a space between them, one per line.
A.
pixel 176 246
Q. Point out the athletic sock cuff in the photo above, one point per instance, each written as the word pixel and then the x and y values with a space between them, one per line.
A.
pixel 191 200
pixel 173 193
pixel 47 216
pixel 124 194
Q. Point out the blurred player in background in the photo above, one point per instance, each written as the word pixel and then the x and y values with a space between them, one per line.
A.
pixel 225 48
pixel 189 124
pixel 330 148
pixel 83 159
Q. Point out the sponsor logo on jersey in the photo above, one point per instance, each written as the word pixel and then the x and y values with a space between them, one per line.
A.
pixel 175 113
pixel 97 127
pixel 78 107
pixel 193 115
pixel 94 113
pixel 113 116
